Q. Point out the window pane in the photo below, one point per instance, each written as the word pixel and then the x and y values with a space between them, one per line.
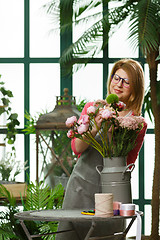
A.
pixel 147 219
pixel 88 83
pixel 44 158
pixel 149 164
pixel 44 87
pixel 43 41
pixel 119 45
pixel 12 28
pixel 13 77
pixel 135 181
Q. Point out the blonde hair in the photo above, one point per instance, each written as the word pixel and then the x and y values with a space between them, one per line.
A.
pixel 136 77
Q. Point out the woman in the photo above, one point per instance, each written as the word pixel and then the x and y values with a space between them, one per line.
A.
pixel 127 82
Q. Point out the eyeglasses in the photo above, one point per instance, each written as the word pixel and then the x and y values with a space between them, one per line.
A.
pixel 116 79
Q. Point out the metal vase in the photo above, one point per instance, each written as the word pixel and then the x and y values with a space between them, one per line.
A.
pixel 115 178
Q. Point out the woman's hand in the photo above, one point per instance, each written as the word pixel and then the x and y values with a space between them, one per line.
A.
pixel 100 101
pixel 98 122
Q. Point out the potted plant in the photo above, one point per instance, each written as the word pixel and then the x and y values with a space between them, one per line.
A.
pixel 9 169
pixel 38 196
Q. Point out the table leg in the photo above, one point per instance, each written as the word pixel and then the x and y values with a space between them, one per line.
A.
pixel 127 229
pixel 90 230
pixel 26 230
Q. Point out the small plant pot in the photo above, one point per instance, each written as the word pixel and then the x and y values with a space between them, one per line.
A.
pixel 16 189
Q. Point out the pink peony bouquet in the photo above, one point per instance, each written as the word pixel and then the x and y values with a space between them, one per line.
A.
pixel 117 135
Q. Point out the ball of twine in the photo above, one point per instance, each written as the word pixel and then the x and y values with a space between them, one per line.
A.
pixel 103 204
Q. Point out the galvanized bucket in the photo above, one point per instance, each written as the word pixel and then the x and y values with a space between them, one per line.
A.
pixel 116 178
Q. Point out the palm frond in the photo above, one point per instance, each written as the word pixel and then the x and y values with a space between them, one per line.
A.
pixel 40 196
pixel 48 227
pixel 91 42
pixel 37 196
pixel 6 232
pixel 52 9
pixel 148 104
pixel 119 14
pixel 144 26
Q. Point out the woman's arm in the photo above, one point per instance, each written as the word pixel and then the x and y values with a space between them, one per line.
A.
pixel 78 146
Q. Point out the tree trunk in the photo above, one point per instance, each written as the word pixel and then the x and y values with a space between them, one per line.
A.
pixel 156 177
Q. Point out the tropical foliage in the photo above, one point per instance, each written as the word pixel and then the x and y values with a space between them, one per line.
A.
pixel 104 20
pixel 38 197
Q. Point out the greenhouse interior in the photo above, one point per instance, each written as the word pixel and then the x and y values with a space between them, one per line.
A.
pixel 57 55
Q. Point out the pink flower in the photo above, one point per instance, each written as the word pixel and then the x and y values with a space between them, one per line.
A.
pixel 91 110
pixel 106 114
pixel 128 122
pixel 70 134
pixel 85 119
pixel 83 128
pixel 121 106
pixel 70 121
pixel 140 119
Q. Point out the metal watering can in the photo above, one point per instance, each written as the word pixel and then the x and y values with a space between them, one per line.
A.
pixel 116 178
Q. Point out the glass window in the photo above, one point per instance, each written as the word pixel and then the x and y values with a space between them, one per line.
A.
pixel 12 28
pixel 13 77
pixel 44 36
pixel 149 164
pixel 119 44
pixel 147 218
pixel 44 87
pixel 88 83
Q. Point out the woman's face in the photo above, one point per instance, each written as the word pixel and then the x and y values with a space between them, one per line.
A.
pixel 123 91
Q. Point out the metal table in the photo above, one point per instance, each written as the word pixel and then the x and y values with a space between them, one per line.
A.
pixel 71 216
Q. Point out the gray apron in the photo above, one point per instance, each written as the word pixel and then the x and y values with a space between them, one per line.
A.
pixel 83 183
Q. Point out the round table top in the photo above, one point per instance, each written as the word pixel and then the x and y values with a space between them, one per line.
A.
pixel 65 215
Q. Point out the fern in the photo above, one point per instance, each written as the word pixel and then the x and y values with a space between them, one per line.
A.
pixel 38 197
pixel 48 227
pixel 6 232
pixel 9 226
